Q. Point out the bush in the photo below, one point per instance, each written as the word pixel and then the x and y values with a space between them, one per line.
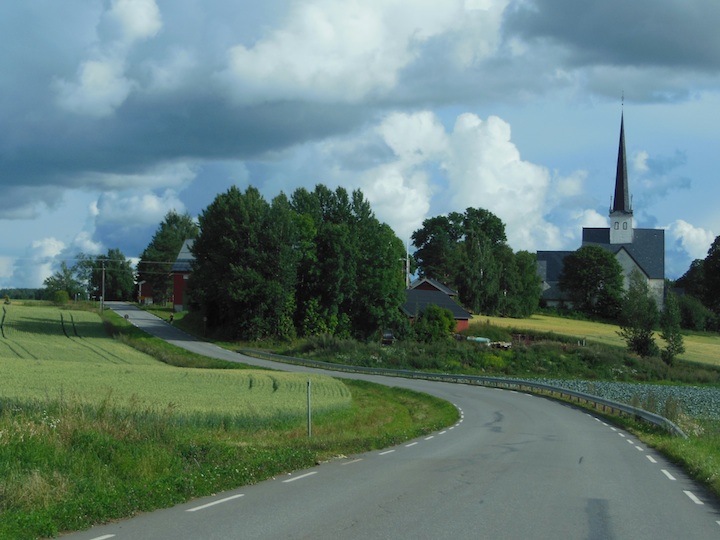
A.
pixel 693 314
pixel 434 324
pixel 61 298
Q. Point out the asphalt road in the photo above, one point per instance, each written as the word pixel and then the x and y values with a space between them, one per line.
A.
pixel 515 466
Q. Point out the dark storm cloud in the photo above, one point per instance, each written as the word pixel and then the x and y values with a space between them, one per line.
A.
pixel 637 33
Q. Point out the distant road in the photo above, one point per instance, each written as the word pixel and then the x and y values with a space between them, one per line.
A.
pixel 515 467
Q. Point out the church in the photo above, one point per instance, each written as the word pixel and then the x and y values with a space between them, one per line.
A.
pixel 641 249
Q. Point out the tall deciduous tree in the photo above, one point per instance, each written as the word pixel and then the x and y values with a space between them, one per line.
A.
pixel 711 271
pixel 157 259
pixel 63 280
pixel 592 277
pixel 469 252
pixel 111 274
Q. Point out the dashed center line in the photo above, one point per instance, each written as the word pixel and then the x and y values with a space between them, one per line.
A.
pixel 411 444
pixel 666 473
pixel 430 437
pixel 651 459
pixel 208 505
pixel 353 461
pixel 299 477
pixel 386 452
pixel 692 496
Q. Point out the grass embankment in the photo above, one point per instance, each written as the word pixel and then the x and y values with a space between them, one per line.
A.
pixel 552 348
pixel 91 430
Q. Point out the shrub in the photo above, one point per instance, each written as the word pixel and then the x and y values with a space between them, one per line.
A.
pixel 61 298
pixel 434 324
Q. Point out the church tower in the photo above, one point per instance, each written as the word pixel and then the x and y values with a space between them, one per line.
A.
pixel 621 214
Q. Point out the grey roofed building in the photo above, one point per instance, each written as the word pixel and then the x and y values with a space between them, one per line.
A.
pixel 635 249
pixel 417 300
pixel 430 284
pixel 647 248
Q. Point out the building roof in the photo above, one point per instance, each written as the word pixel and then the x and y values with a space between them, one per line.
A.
pixel 423 282
pixel 621 201
pixel 647 248
pixel 550 264
pixel 185 258
pixel 416 300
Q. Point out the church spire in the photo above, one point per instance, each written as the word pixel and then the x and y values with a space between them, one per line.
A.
pixel 621 214
pixel 621 200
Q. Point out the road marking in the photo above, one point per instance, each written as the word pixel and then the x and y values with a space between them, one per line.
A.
pixel 430 437
pixel 693 498
pixel 630 441
pixel 220 501
pixel 299 477
pixel 442 433
pixel 670 476
pixel 104 537
pixel 386 452
pixel 622 435
pixel 353 461
pixel 411 444
pixel 613 428
pixel 652 460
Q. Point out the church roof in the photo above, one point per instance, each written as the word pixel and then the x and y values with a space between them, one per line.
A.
pixel 185 258
pixel 621 200
pixel 647 248
pixel 550 264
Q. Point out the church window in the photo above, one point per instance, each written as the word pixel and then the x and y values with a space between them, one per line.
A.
pixel 625 226
pixel 617 225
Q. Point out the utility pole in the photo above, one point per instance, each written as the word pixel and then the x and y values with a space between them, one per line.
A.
pixel 102 293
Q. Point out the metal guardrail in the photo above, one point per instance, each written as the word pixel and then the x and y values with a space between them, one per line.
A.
pixel 603 404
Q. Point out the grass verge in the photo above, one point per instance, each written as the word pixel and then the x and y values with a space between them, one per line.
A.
pixel 67 463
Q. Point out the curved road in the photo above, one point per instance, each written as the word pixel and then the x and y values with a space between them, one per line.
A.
pixel 515 466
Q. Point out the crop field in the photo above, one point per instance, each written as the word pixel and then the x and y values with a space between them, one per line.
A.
pixel 703 349
pixel 50 353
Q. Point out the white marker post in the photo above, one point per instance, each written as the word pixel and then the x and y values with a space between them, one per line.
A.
pixel 309 411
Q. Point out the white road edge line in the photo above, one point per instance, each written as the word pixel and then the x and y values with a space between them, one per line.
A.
pixel 410 444
pixel 640 448
pixel 299 477
pixel 220 501
pixel 693 498
pixel 103 537
pixel 430 437
pixel 651 459
pixel 386 452
pixel 666 473
pixel 353 461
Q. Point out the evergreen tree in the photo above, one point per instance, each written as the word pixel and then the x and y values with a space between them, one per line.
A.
pixel 670 326
pixel 639 316
pixel 158 257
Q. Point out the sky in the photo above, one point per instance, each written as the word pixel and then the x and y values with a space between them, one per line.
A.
pixel 114 112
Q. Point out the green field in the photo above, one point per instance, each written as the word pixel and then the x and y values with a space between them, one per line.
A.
pixel 46 352
pixel 703 349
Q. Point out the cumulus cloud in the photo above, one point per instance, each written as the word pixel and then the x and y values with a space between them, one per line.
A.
pixel 485 170
pixel 37 264
pixel 101 84
pixel 694 240
pixel 139 19
pixel 101 87
pixel 331 50
pixel 140 209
